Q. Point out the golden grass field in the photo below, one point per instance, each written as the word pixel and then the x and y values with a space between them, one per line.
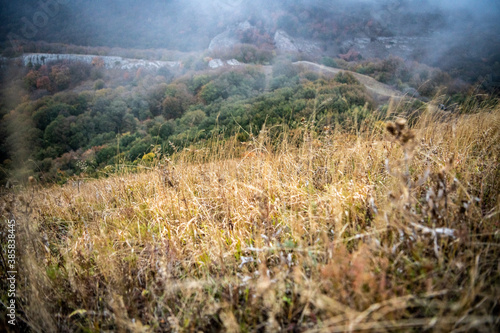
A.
pixel 379 229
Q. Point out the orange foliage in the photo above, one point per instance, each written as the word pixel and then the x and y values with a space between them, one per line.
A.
pixel 98 62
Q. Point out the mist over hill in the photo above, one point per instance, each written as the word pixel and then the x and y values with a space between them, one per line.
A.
pixel 448 34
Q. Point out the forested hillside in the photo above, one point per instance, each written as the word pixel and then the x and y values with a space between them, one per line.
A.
pixel 380 224
pixel 69 117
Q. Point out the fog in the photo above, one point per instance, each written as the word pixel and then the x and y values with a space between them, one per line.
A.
pixel 453 28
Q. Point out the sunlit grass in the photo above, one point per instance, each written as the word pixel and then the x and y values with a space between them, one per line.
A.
pixel 325 231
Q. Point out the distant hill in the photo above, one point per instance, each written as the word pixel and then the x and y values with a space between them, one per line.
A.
pixel 459 36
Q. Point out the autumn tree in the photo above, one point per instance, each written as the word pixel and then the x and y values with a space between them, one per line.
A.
pixel 43 83
pixel 61 77
pixel 30 80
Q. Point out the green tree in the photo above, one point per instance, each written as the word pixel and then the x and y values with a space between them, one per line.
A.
pixel 99 84
pixel 193 118
pixel 346 78
pixel 117 113
pixel 172 107
pixel 210 92
pixel 330 62
pixel 46 114
pixel 57 134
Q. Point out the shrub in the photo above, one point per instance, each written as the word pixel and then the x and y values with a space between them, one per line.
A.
pixel 99 84
pixel 330 62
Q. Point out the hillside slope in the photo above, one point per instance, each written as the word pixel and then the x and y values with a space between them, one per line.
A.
pixel 380 90
pixel 375 232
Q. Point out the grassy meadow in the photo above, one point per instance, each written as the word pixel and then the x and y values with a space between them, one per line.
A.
pixel 388 225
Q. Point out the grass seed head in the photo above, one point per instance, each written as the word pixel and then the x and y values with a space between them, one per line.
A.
pixel 391 128
pixel 400 124
pixel 407 136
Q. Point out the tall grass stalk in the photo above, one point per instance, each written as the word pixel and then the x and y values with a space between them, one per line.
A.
pixel 316 231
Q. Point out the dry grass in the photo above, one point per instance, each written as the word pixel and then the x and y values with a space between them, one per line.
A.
pixel 326 232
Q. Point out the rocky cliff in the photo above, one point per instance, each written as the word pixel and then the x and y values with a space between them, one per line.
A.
pixel 285 43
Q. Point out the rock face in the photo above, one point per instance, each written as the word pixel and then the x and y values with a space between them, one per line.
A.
pixel 383 47
pixel 245 33
pixel 216 63
pixel 233 62
pixel 375 45
pixel 225 40
pixel 108 61
pixel 232 36
pixel 285 43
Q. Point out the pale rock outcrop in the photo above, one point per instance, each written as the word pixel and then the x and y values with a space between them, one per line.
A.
pixel 108 61
pixel 233 62
pixel 285 43
pixel 216 63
